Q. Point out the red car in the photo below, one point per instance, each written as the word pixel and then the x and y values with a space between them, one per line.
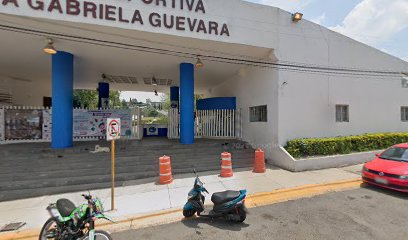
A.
pixel 389 169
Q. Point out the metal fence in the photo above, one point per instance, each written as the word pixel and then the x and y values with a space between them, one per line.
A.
pixel 209 124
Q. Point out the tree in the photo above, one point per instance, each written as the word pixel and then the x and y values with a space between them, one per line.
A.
pixel 114 99
pixel 89 99
pixel 85 99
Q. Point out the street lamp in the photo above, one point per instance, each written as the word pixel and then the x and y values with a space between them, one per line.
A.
pixel 296 17
pixel 49 47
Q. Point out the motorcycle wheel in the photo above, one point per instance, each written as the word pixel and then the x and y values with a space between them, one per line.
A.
pixel 188 213
pixel 99 235
pixel 241 215
pixel 49 227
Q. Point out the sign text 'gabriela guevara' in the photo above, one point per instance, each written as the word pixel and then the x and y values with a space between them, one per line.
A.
pixel 114 13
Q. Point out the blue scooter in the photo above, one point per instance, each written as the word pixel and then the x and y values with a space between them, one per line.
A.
pixel 229 204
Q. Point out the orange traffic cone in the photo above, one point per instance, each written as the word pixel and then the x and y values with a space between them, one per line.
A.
pixel 259 163
pixel 226 165
pixel 165 170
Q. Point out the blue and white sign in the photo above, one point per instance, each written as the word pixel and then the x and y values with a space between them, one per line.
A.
pixel 152 131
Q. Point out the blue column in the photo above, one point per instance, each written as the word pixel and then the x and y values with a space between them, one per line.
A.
pixel 174 97
pixel 103 89
pixel 186 103
pixel 62 100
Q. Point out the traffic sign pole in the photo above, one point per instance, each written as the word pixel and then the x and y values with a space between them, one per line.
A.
pixel 113 175
pixel 112 134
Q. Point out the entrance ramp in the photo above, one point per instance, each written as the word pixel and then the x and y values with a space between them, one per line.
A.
pixel 34 169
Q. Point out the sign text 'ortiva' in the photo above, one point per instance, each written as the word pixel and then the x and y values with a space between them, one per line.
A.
pixel 114 13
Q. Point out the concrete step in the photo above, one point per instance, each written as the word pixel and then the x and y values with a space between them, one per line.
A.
pixel 68 162
pixel 29 170
pixel 22 158
pixel 90 163
pixel 104 169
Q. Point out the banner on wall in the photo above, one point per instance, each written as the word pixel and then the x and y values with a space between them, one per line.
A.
pixel 47 124
pixel 21 124
pixel 2 124
pixel 89 123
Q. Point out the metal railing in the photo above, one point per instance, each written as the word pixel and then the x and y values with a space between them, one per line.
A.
pixel 209 124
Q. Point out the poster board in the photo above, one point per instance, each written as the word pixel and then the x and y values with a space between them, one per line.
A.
pixel 47 124
pixel 23 124
pixel 92 123
pixel 2 124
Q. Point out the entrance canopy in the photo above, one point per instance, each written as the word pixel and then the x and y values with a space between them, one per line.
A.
pixel 129 58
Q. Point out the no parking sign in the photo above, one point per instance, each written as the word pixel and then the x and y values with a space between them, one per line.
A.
pixel 113 129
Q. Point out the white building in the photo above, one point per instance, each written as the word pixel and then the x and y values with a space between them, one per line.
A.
pixel 301 71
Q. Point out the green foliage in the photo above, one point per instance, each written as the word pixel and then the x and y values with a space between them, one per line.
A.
pixel 150 111
pixel 114 100
pixel 151 120
pixel 89 99
pixel 165 98
pixel 85 98
pixel 343 145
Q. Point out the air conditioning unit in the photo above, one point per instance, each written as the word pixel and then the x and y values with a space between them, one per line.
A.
pixel 6 98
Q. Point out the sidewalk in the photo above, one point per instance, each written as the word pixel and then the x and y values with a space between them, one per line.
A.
pixel 147 196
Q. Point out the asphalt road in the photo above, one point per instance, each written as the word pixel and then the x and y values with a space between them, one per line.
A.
pixel 366 213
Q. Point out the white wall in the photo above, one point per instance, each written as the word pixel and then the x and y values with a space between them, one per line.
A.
pixel 254 87
pixel 26 93
pixel 244 19
pixel 307 101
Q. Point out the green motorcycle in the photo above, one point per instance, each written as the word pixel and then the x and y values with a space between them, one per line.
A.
pixel 68 222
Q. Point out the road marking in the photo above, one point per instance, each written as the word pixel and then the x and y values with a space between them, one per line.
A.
pixel 174 215
pixel 282 195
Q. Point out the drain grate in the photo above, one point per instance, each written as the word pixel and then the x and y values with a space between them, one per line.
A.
pixel 12 226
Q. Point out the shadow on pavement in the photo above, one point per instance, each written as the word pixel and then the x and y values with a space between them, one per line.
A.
pixel 216 223
pixel 386 191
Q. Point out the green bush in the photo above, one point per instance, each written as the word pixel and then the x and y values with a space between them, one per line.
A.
pixel 343 145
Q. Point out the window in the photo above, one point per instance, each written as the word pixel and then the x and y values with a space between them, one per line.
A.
pixel 258 114
pixel 404 114
pixel 342 113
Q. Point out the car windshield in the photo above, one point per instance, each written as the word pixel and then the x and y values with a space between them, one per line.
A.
pixel 396 153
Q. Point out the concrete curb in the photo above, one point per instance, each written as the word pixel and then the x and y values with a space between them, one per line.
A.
pixel 325 162
pixel 174 214
pixel 281 158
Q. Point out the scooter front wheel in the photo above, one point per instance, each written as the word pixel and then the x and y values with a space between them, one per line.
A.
pixel 188 213
pixel 242 216
pixel 241 212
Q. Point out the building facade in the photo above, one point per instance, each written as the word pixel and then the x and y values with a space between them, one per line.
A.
pixel 291 79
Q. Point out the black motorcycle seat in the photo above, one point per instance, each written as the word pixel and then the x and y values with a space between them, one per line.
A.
pixel 65 207
pixel 223 197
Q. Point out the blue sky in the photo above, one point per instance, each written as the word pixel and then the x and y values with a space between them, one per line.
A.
pixel 382 24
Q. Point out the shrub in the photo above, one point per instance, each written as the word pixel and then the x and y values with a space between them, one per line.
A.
pixel 343 145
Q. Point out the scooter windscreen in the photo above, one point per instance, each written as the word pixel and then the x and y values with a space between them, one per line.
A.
pixel 198 183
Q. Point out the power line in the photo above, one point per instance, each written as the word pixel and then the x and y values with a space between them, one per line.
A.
pixel 259 63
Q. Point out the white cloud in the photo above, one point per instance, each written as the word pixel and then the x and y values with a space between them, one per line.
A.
pixel 319 19
pixel 375 21
pixel 288 5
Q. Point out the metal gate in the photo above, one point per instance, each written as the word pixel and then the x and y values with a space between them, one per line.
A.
pixel 209 124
